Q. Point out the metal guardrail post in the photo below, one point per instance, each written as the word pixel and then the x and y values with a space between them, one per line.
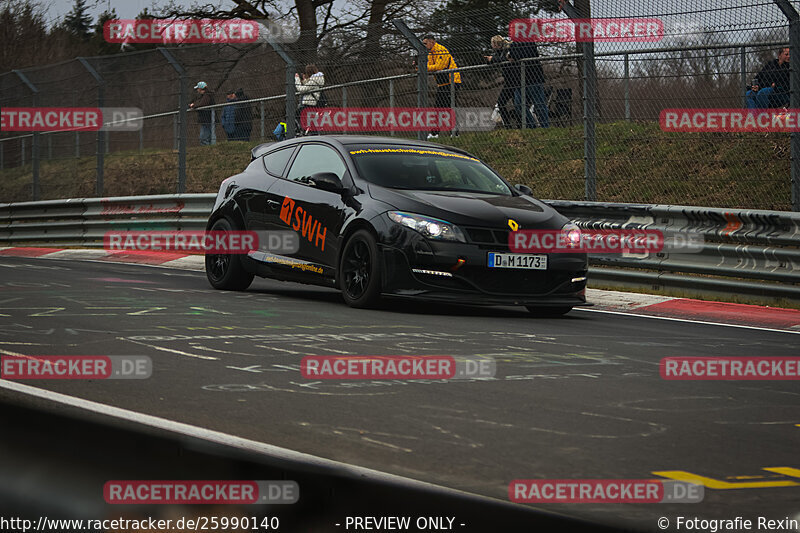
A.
pixel 422 65
pixel 183 107
pixel 589 113
pixel 101 135
pixel 291 99
pixel 35 192
pixel 794 83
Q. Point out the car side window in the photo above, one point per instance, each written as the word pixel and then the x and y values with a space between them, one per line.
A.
pixel 275 162
pixel 315 158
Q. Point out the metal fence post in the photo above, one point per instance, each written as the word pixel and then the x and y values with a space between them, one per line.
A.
pixel 523 101
pixel 141 138
pixel 627 82
pixel 422 65
pixel 50 147
pixel 174 131
pixel 743 74
pixel 261 107
pixel 291 99
pixel 213 126
pixel 77 145
pixel 2 145
pixel 35 144
pixel 102 137
pixel 183 106
pixel 391 100
pixel 22 152
pixel 589 113
pixel 344 97
pixel 794 83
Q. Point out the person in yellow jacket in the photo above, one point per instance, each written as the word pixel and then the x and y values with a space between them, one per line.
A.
pixel 439 58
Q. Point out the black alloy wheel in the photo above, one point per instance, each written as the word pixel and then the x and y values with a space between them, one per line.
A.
pixel 359 271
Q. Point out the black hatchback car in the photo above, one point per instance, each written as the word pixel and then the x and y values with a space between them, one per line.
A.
pixel 384 216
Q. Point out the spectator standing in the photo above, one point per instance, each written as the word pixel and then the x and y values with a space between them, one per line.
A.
pixel 308 86
pixel 243 116
pixel 771 86
pixel 439 58
pixel 228 118
pixel 203 98
pixel 534 84
pixel 510 71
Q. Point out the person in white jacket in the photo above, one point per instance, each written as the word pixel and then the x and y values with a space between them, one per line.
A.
pixel 307 87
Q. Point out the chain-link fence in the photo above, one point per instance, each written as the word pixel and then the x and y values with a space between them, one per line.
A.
pixel 592 128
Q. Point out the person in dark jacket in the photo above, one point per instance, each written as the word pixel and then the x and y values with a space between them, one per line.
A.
pixel 770 87
pixel 533 86
pixel 228 118
pixel 204 98
pixel 510 71
pixel 243 116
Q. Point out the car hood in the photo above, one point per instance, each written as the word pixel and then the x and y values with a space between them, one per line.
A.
pixel 468 208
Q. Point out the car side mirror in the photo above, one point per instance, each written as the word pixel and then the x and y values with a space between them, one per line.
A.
pixel 524 189
pixel 327 181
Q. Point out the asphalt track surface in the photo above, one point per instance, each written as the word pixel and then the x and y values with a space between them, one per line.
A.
pixel 574 397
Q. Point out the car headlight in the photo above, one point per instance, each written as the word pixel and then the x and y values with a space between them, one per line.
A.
pixel 572 235
pixel 431 228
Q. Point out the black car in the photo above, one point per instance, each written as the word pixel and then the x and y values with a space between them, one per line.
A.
pixel 383 216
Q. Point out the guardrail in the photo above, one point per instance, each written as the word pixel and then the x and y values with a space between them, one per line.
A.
pixel 740 245
pixel 746 252
pixel 84 221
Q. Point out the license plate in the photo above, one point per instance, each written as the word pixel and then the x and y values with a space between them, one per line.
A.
pixel 529 261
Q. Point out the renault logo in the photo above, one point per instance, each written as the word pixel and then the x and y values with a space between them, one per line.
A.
pixel 513 224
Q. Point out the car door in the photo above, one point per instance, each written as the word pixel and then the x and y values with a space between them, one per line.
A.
pixel 258 210
pixel 315 214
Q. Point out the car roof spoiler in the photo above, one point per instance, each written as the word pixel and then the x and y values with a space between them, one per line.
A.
pixel 259 150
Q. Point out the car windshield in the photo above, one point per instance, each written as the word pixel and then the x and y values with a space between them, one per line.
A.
pixel 431 169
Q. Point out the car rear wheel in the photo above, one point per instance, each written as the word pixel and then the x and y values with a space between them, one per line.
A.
pixel 225 271
pixel 359 271
pixel 548 311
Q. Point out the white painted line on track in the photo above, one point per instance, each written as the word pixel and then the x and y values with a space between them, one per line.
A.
pixel 689 320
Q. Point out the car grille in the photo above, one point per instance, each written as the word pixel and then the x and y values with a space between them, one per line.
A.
pixel 514 281
pixel 487 238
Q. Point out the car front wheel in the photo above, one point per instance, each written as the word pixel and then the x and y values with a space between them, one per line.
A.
pixel 359 271
pixel 225 271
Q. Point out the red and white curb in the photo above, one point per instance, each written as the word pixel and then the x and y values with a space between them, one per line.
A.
pixel 613 301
